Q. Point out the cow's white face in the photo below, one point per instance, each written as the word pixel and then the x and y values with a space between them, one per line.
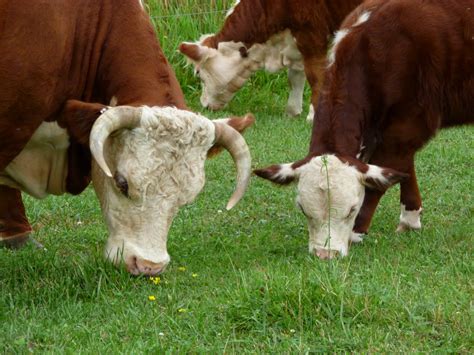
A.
pixel 157 167
pixel 223 71
pixel 330 194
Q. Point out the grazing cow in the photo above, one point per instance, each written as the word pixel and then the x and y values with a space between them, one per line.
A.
pixel 225 70
pixel 399 70
pixel 250 22
pixel 61 64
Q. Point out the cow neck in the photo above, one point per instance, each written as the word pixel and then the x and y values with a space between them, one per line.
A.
pixel 133 68
pixel 251 22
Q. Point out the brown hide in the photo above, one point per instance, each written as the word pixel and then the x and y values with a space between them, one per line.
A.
pixel 87 50
pixel 397 79
pixel 312 23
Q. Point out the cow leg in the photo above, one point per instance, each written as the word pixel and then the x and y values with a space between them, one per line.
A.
pixel 296 80
pixel 314 70
pixel 362 222
pixel 14 226
pixel 410 202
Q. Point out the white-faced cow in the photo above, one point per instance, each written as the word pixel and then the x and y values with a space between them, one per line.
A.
pixel 311 24
pixel 62 63
pixel 399 70
pixel 225 70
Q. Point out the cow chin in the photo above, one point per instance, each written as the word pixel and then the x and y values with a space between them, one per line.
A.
pixel 136 259
pixel 213 102
pixel 327 245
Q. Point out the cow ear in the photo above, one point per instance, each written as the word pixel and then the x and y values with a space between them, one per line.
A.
pixel 379 178
pixel 78 118
pixel 240 124
pixel 282 174
pixel 194 51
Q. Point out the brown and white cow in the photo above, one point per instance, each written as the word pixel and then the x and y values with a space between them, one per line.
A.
pixel 399 70
pixel 252 22
pixel 225 70
pixel 62 63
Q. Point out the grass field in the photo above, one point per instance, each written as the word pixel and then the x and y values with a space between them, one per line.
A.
pixel 243 281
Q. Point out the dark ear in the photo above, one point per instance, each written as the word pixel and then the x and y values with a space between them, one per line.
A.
pixel 243 52
pixel 78 118
pixel 381 179
pixel 240 124
pixel 283 174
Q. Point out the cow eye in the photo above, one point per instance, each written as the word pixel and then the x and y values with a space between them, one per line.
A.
pixel 351 212
pixel 121 183
pixel 243 52
pixel 301 208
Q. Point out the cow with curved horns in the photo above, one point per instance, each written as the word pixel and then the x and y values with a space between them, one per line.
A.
pixel 63 65
pixel 399 70
pixel 297 30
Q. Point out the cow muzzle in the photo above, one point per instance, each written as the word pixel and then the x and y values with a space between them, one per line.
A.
pixel 138 266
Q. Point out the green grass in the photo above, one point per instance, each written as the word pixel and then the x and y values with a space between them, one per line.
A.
pixel 257 289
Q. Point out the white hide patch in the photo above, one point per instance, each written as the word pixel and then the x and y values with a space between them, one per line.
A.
pixel 409 219
pixel 337 39
pixel 232 9
pixel 41 167
pixel 341 34
pixel 363 18
pixel 311 113
pixel 330 194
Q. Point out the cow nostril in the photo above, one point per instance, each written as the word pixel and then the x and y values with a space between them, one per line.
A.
pixel 325 254
pixel 149 267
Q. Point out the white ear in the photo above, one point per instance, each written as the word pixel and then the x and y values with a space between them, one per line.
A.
pixel 381 179
pixel 282 174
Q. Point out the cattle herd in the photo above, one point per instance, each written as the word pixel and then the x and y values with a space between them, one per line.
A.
pixel 86 95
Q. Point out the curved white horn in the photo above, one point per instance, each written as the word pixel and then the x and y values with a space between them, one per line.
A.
pixel 110 121
pixel 233 141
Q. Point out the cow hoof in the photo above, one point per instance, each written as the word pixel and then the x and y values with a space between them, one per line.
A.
pixel 15 242
pixel 403 227
pixel 357 237
pixel 293 111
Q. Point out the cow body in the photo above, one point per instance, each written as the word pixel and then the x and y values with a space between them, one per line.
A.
pixel 62 65
pixel 311 22
pixel 399 70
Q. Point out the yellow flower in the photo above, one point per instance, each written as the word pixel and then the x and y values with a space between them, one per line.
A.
pixel 182 310
pixel 194 275
pixel 151 298
pixel 182 268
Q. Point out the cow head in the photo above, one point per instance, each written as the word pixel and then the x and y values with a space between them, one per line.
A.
pixel 330 193
pixel 148 162
pixel 223 71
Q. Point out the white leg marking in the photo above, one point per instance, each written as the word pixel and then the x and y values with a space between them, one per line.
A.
pixel 310 116
pixel 357 237
pixel 409 219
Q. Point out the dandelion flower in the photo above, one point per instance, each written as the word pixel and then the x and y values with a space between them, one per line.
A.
pixel 182 310
pixel 182 268
pixel 194 275
pixel 151 298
